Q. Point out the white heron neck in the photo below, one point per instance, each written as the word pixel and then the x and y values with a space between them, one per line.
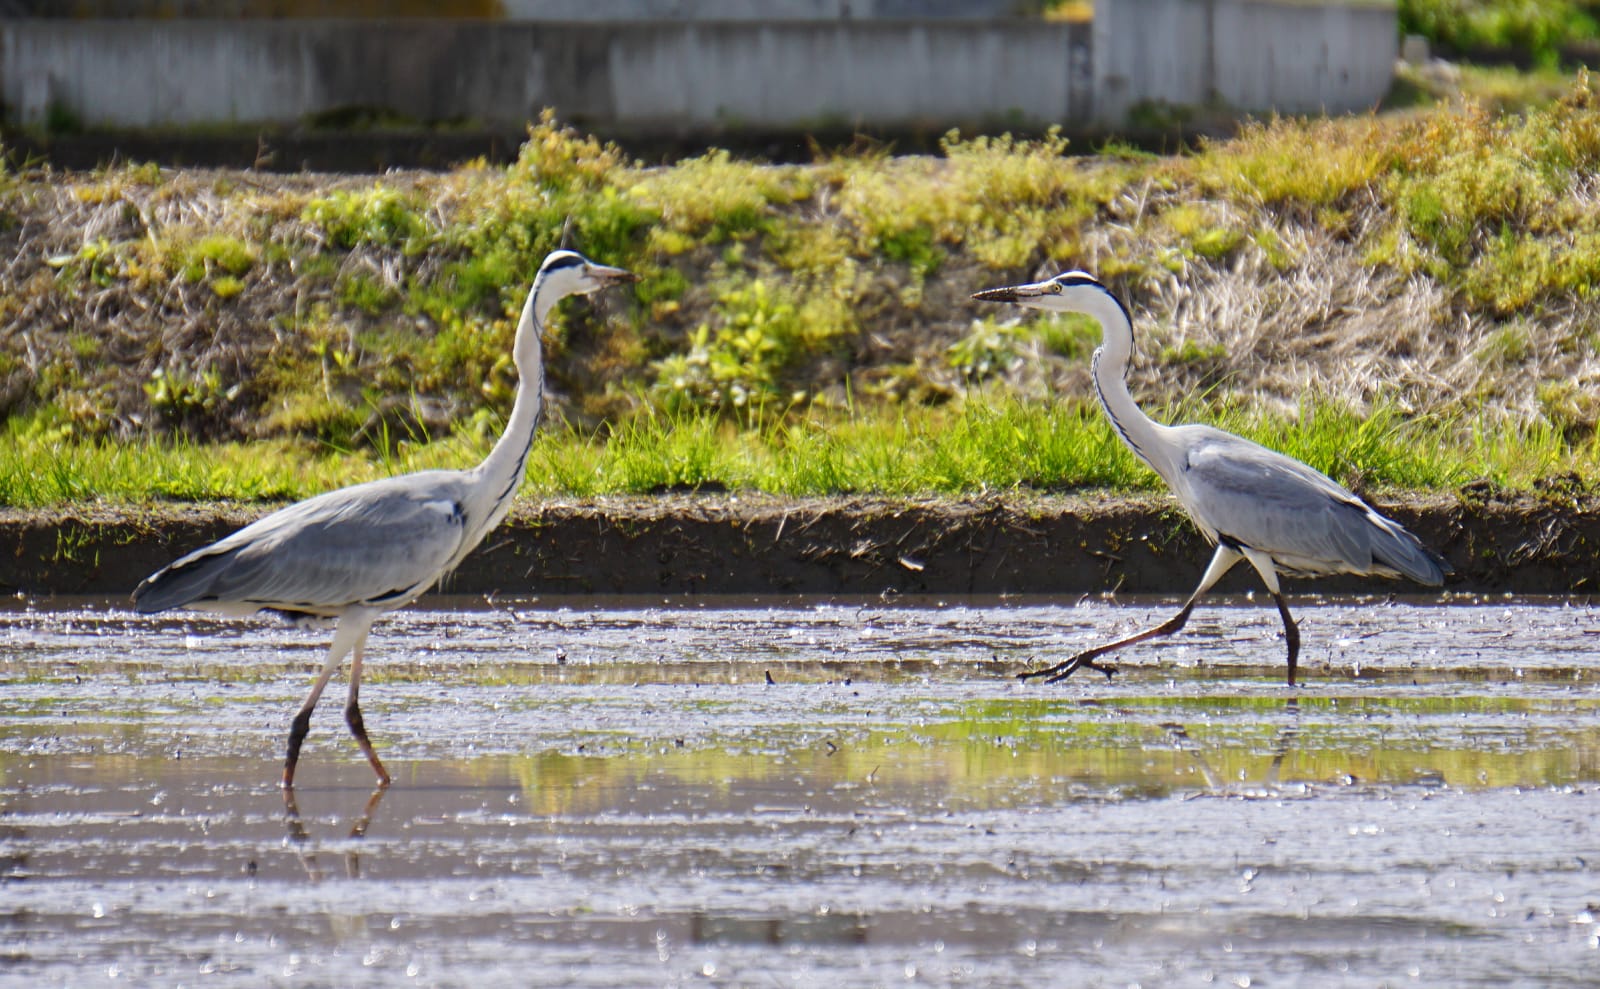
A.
pixel 1110 370
pixel 501 472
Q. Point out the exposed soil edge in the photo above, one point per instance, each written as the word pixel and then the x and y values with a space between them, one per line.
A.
pixel 719 544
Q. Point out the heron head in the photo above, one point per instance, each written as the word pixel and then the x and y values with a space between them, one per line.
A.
pixel 1066 292
pixel 570 273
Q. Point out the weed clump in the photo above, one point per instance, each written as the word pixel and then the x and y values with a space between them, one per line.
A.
pixel 1487 204
pixel 380 216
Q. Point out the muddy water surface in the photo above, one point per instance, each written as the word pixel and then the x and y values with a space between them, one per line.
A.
pixel 589 793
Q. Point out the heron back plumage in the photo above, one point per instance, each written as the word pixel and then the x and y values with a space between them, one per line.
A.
pixel 379 544
pixel 1243 494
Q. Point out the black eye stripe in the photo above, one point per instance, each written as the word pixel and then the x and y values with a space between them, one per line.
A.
pixel 563 259
pixel 1082 279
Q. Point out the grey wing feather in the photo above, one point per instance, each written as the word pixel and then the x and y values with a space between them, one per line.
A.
pixel 1243 492
pixel 372 543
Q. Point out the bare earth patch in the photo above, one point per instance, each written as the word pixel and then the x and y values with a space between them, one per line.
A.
pixel 745 544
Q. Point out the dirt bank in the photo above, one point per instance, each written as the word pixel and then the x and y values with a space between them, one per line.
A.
pixel 714 544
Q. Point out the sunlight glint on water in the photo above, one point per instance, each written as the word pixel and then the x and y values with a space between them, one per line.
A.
pixel 591 795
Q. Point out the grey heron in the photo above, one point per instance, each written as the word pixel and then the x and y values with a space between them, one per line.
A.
pixel 358 552
pixel 1252 503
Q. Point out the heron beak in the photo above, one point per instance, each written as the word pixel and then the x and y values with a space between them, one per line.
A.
pixel 1007 294
pixel 607 275
pixel 1010 293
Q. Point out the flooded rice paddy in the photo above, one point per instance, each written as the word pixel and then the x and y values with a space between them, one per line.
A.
pixel 595 793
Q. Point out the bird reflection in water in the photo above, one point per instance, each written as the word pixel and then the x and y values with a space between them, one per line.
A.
pixel 300 838
pixel 1216 783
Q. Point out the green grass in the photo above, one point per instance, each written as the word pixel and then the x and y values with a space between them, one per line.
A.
pixel 992 445
pixel 743 358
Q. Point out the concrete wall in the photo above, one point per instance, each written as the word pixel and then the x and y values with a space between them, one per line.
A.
pixel 1304 58
pixel 655 76
pixel 862 74
pixel 1244 54
pixel 760 10
pixel 526 10
pixel 684 77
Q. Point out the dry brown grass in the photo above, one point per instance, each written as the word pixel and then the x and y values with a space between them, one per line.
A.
pixel 218 304
pixel 1326 325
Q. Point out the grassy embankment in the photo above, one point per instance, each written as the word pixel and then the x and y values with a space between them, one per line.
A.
pixel 1400 300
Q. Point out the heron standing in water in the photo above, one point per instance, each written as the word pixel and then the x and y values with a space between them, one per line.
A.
pixel 1252 503
pixel 355 553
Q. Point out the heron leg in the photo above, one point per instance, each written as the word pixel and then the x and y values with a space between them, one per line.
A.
pixel 1291 629
pixel 1221 562
pixel 1291 634
pixel 352 715
pixel 352 630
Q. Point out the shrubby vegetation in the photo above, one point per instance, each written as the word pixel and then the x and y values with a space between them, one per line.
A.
pixel 1422 281
pixel 1533 30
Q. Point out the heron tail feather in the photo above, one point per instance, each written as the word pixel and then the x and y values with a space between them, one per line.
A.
pixel 184 582
pixel 1400 551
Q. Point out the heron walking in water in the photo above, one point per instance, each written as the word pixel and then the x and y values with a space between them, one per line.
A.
pixel 355 553
pixel 1252 503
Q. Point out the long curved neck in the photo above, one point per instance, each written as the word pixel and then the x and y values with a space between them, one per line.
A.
pixel 1110 370
pixel 501 471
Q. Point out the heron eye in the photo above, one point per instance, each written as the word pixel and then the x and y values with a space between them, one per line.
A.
pixel 1056 287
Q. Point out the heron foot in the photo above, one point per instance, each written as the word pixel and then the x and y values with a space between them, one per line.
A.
pixel 1062 670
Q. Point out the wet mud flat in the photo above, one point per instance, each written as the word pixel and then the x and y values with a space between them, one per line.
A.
pixel 611 792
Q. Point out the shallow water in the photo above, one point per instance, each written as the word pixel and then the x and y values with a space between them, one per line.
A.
pixel 605 794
